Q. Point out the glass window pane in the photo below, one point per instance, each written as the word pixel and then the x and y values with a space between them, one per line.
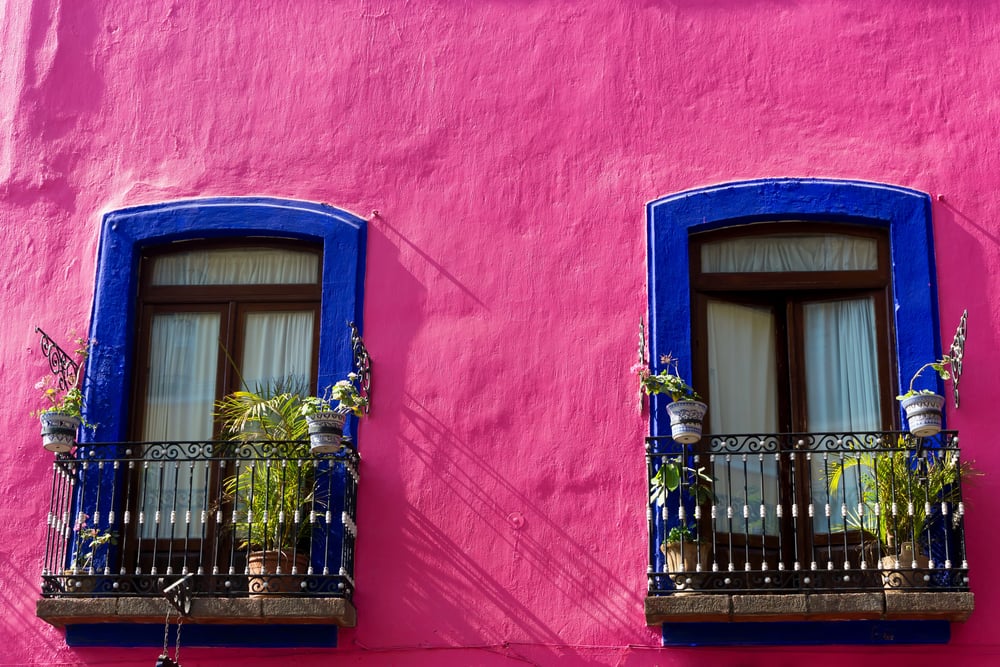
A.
pixel 841 361
pixel 278 350
pixel 790 252
pixel 243 266
pixel 842 396
pixel 183 358
pixel 742 370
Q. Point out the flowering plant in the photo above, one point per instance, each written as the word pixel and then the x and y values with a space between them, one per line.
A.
pixel 87 542
pixel 63 394
pixel 344 392
pixel 667 381
pixel 942 367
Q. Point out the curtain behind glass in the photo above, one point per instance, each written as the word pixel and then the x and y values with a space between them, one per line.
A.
pixel 842 393
pixel 183 359
pixel 789 252
pixel 278 350
pixel 742 372
pixel 184 356
pixel 243 266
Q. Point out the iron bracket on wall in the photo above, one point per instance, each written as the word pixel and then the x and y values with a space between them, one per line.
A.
pixel 62 365
pixel 179 595
pixel 956 352
pixel 362 365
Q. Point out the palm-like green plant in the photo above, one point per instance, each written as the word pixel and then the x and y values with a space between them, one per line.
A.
pixel 272 500
pixel 272 492
pixel 262 415
pixel 898 486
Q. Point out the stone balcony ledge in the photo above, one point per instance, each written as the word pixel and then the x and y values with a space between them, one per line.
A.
pixel 873 605
pixel 60 612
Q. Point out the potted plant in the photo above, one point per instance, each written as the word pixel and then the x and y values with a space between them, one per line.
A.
pixel 80 574
pixel 900 485
pixel 686 410
pixel 63 416
pixel 923 407
pixel 271 499
pixel 684 554
pixel 325 419
pixel 272 507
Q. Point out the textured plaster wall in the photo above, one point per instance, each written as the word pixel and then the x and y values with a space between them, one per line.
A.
pixel 509 147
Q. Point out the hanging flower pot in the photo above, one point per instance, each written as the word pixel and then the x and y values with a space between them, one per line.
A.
pixel 59 431
pixel 923 413
pixel 685 420
pixel 326 429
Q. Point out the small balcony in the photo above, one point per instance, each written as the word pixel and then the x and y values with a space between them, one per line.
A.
pixel 807 526
pixel 260 532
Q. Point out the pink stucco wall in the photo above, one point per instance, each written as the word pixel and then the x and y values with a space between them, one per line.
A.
pixel 509 147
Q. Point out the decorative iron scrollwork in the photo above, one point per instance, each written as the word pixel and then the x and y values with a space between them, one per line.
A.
pixel 362 366
pixel 957 352
pixel 62 365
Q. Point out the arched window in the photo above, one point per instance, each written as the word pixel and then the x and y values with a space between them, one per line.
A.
pixel 193 300
pixel 796 307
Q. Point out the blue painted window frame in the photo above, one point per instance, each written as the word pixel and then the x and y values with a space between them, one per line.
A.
pixel 906 214
pixel 125 233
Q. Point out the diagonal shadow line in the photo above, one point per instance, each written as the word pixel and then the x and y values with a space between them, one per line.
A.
pixel 572 571
pixel 383 224
pixel 18 617
pixel 958 214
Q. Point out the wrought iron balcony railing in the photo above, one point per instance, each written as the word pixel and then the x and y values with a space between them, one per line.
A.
pixel 807 512
pixel 243 518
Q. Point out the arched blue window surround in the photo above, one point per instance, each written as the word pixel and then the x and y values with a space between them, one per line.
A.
pixel 126 232
pixel 108 380
pixel 905 213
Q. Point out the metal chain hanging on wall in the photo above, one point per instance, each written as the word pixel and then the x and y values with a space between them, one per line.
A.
pixel 956 352
pixel 362 366
pixel 178 594
pixel 164 658
pixel 62 365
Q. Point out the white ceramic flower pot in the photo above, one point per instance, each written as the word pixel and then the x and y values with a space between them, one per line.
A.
pixel 59 431
pixel 923 414
pixel 326 430
pixel 685 420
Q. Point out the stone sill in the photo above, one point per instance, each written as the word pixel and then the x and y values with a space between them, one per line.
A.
pixel 874 605
pixel 231 611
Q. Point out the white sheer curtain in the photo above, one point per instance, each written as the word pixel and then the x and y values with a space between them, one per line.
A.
pixel 243 266
pixel 183 359
pixel 842 393
pixel 840 362
pixel 742 378
pixel 787 252
pixel 278 350
pixel 184 355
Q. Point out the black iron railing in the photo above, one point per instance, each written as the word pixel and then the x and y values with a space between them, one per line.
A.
pixel 807 512
pixel 242 518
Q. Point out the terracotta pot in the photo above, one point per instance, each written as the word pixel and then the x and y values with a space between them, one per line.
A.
pixel 685 420
pixel 899 579
pixel 265 578
pixel 79 581
pixel 686 561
